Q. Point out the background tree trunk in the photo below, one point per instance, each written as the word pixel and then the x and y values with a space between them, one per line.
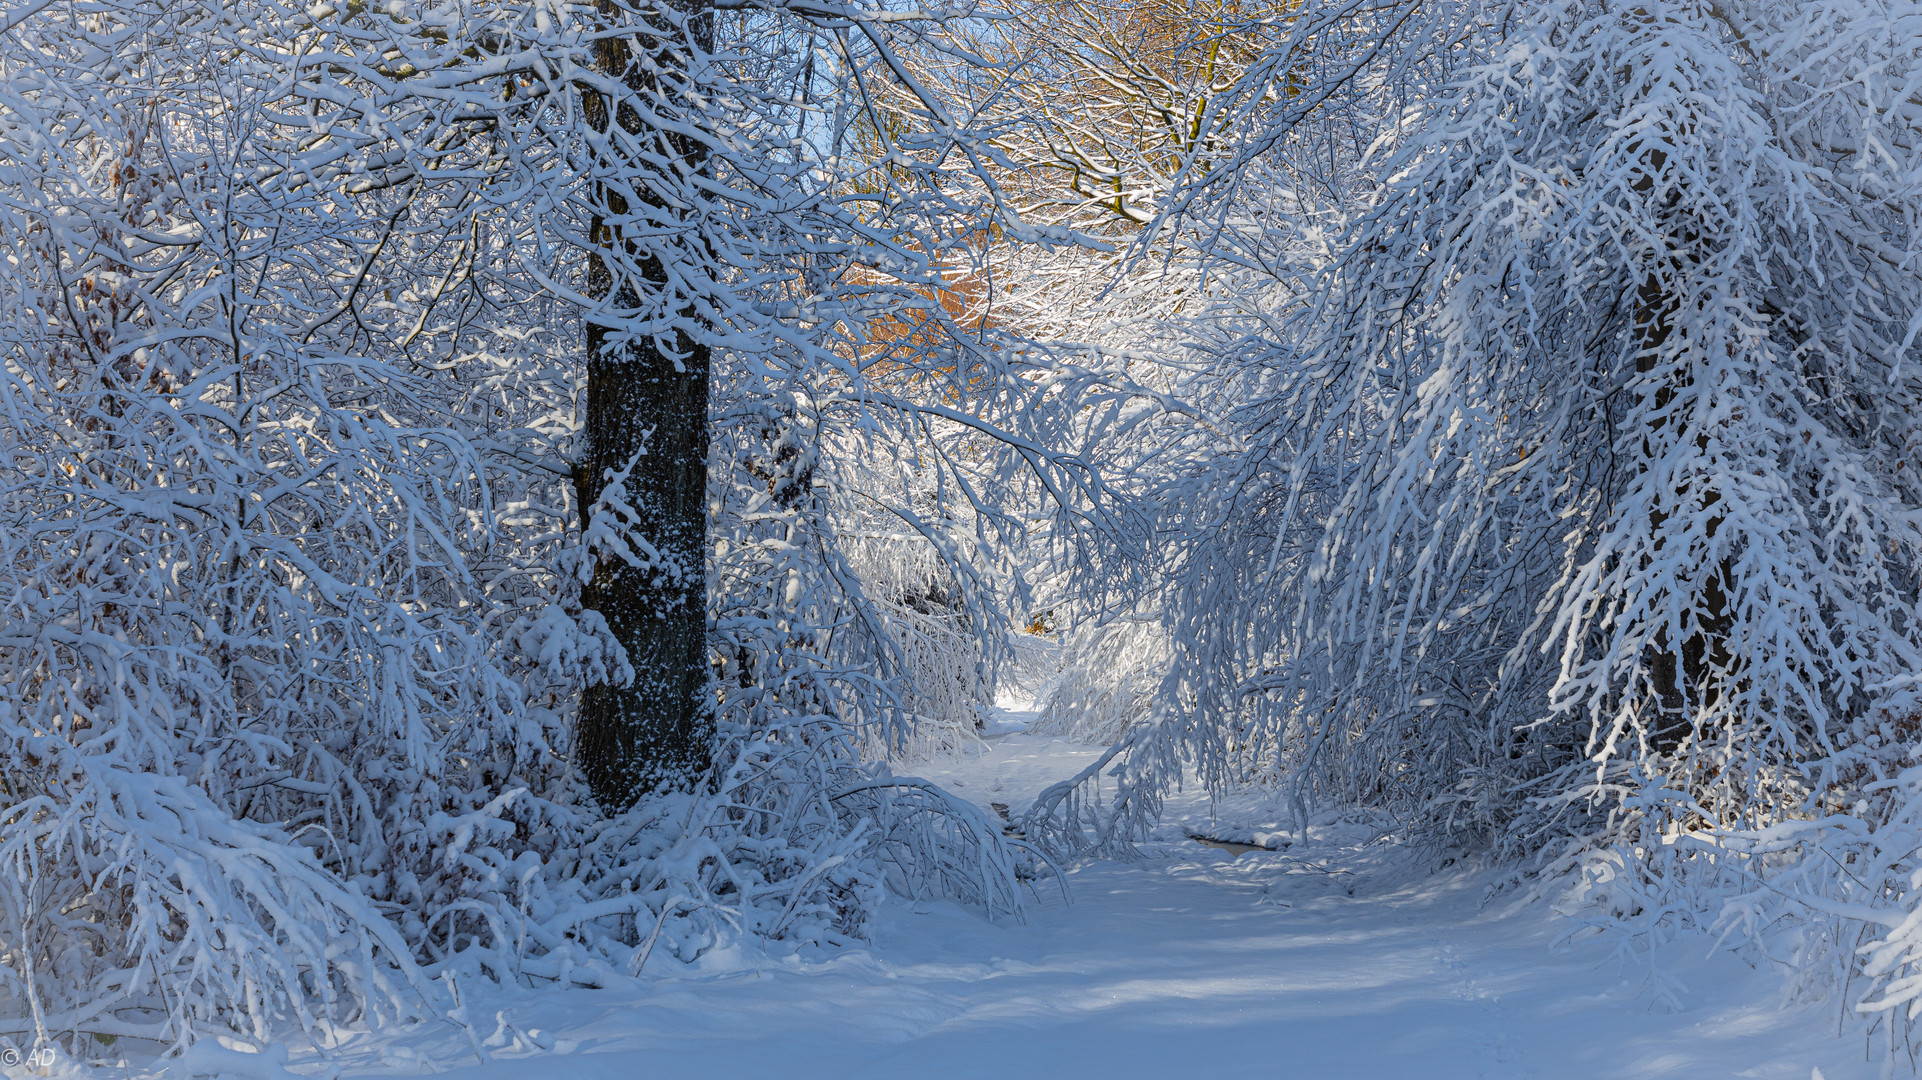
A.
pixel 1685 680
pixel 646 407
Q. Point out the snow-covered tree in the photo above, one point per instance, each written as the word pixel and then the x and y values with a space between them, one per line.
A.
pixel 1239 232
pixel 298 598
pixel 1571 507
pixel 1595 383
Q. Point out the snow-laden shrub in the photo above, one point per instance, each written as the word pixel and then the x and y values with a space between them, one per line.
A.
pixel 135 905
pixel 794 844
pixel 1033 665
pixel 250 686
pixel 916 605
pixel 1107 681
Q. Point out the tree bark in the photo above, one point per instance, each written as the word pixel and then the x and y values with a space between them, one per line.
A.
pixel 647 410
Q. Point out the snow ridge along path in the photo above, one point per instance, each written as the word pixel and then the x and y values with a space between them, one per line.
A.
pixel 1338 959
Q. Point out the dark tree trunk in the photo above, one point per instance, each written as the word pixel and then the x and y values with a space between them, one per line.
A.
pixel 646 407
pixel 1685 680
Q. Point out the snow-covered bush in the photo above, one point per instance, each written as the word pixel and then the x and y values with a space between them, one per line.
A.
pixel 1108 684
pixel 252 689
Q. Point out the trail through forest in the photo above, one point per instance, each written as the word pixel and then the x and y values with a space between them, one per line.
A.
pixel 1343 958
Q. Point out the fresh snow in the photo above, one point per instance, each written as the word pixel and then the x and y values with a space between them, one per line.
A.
pixel 1344 958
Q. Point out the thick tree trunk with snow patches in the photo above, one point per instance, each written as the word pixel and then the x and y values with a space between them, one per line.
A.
pixel 643 471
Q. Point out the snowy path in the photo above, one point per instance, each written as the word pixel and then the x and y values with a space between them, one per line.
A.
pixel 1192 963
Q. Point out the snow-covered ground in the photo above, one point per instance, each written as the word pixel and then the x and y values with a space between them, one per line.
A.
pixel 1338 960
